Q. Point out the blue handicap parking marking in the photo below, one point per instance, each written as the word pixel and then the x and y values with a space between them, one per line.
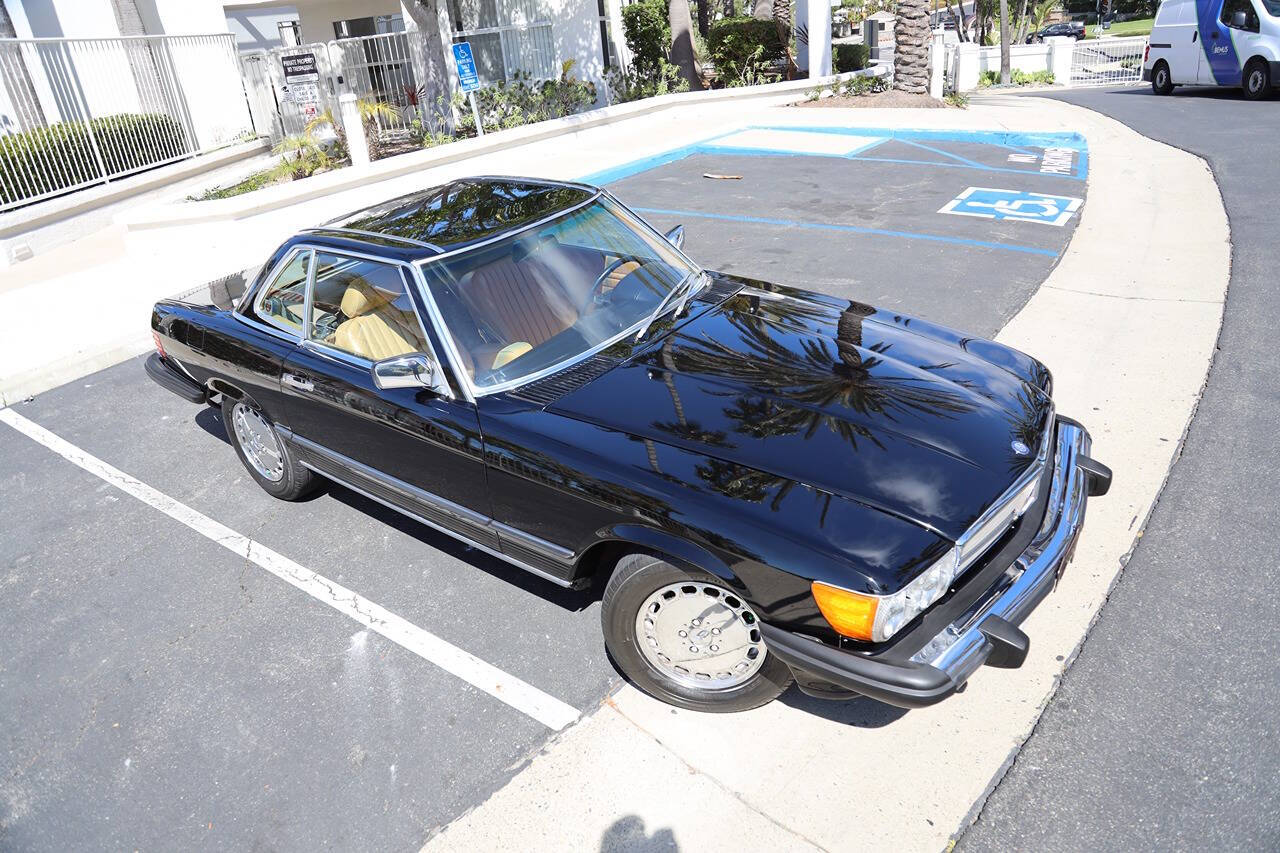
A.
pixel 1013 204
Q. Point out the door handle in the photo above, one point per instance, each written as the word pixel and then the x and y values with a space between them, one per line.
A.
pixel 297 382
pixel 1195 36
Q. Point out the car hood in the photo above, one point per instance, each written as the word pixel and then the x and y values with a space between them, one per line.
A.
pixel 887 410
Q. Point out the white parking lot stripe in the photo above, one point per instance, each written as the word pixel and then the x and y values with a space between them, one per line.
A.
pixel 525 698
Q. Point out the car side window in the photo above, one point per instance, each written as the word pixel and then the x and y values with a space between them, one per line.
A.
pixel 362 307
pixel 283 302
pixel 1239 15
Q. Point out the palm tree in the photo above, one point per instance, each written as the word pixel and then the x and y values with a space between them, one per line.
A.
pixel 682 43
pixel 911 37
pixel 1005 62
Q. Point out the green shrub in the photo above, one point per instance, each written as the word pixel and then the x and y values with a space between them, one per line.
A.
pixel 628 85
pixel 740 46
pixel 648 33
pixel 1016 78
pixel 126 141
pixel 523 100
pixel 849 57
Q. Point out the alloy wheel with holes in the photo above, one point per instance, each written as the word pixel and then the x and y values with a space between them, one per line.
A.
pixel 266 457
pixel 684 637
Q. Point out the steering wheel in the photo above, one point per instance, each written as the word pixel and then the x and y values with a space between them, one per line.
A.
pixel 595 298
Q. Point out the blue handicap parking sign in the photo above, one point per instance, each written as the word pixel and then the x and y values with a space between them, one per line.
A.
pixel 466 63
pixel 1013 204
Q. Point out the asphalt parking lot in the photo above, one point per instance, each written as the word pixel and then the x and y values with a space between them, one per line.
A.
pixel 165 691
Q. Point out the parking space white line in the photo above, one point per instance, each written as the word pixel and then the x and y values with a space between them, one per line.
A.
pixel 506 688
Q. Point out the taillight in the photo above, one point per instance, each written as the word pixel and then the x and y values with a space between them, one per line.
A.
pixel 1146 53
pixel 155 336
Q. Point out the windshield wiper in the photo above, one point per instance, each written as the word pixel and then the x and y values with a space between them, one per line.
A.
pixel 685 286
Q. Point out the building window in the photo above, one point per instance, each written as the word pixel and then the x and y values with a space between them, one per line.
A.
pixel 605 41
pixel 374 26
pixel 508 37
pixel 290 33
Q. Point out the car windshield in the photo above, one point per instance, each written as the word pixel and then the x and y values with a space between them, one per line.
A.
pixel 1272 7
pixel 548 294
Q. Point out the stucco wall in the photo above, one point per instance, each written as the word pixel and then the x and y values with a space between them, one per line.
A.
pixel 317 17
pixel 257 29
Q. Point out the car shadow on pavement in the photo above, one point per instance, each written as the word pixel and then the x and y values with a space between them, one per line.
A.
pixel 860 712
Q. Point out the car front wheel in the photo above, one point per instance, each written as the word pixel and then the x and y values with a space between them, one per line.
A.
pixel 685 638
pixel 264 455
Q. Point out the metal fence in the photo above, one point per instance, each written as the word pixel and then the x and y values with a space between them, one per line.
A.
pixel 380 68
pixel 78 112
pixel 1107 61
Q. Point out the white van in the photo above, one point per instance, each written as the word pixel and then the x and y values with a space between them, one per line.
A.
pixel 1215 43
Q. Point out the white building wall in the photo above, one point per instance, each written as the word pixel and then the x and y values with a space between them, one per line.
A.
pixel 258 29
pixel 317 16
pixel 180 17
pixel 575 31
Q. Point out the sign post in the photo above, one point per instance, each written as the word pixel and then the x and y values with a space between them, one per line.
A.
pixel 467 77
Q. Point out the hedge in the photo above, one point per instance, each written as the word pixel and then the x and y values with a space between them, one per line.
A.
pixel 648 34
pixel 733 43
pixel 849 57
pixel 48 159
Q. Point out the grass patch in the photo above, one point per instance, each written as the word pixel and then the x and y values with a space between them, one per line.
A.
pixel 1121 29
pixel 256 181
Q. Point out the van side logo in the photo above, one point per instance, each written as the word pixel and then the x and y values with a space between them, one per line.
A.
pixel 1221 49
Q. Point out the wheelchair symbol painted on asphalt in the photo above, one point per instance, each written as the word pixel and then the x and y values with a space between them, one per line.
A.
pixel 1013 204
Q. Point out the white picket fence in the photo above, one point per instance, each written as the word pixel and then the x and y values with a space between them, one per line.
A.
pixel 79 112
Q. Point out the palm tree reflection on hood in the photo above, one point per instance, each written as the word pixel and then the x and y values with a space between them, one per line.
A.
pixel 799 386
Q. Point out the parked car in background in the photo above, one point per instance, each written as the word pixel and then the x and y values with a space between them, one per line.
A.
pixel 769 484
pixel 1220 43
pixel 1068 29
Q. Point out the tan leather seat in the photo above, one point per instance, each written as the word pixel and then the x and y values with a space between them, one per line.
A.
pixel 520 301
pixel 375 329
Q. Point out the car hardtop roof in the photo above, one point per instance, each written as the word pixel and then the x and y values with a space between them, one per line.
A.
pixel 452 216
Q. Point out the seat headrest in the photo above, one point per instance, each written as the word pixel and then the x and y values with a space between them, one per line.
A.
pixel 362 297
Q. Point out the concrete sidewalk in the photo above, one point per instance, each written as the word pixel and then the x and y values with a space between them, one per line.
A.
pixel 857 775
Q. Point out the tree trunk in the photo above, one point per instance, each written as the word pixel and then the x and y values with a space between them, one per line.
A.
pixel 704 16
pixel 959 19
pixel 1004 42
pixel 911 38
pixel 782 23
pixel 762 9
pixel 427 51
pixel 1022 25
pixel 682 43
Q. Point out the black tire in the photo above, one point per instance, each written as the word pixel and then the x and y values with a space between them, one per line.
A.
pixel 638 576
pixel 1256 80
pixel 295 481
pixel 1161 79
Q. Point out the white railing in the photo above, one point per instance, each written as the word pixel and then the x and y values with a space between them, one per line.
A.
pixel 1107 61
pixel 78 112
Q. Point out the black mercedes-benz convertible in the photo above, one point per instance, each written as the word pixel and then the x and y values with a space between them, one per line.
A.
pixel 776 484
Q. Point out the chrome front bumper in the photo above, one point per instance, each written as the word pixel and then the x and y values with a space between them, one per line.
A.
pixel 986 632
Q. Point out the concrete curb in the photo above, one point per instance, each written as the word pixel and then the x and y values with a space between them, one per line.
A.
pixel 858 776
pixel 167 214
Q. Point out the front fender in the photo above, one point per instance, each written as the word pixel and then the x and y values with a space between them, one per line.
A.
pixel 692 555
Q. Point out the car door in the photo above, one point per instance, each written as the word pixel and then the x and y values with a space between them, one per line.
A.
pixel 246 347
pixel 416 449
pixel 1220 63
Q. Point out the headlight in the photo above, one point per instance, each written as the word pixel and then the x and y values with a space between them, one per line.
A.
pixel 876 618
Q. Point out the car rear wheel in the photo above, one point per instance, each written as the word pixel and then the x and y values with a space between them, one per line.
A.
pixel 267 458
pixel 685 638
pixel 1161 81
pixel 1257 80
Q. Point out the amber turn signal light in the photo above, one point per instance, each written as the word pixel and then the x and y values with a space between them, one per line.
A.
pixel 850 613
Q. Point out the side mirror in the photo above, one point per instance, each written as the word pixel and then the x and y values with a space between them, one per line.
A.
pixel 1239 20
pixel 676 236
pixel 414 370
